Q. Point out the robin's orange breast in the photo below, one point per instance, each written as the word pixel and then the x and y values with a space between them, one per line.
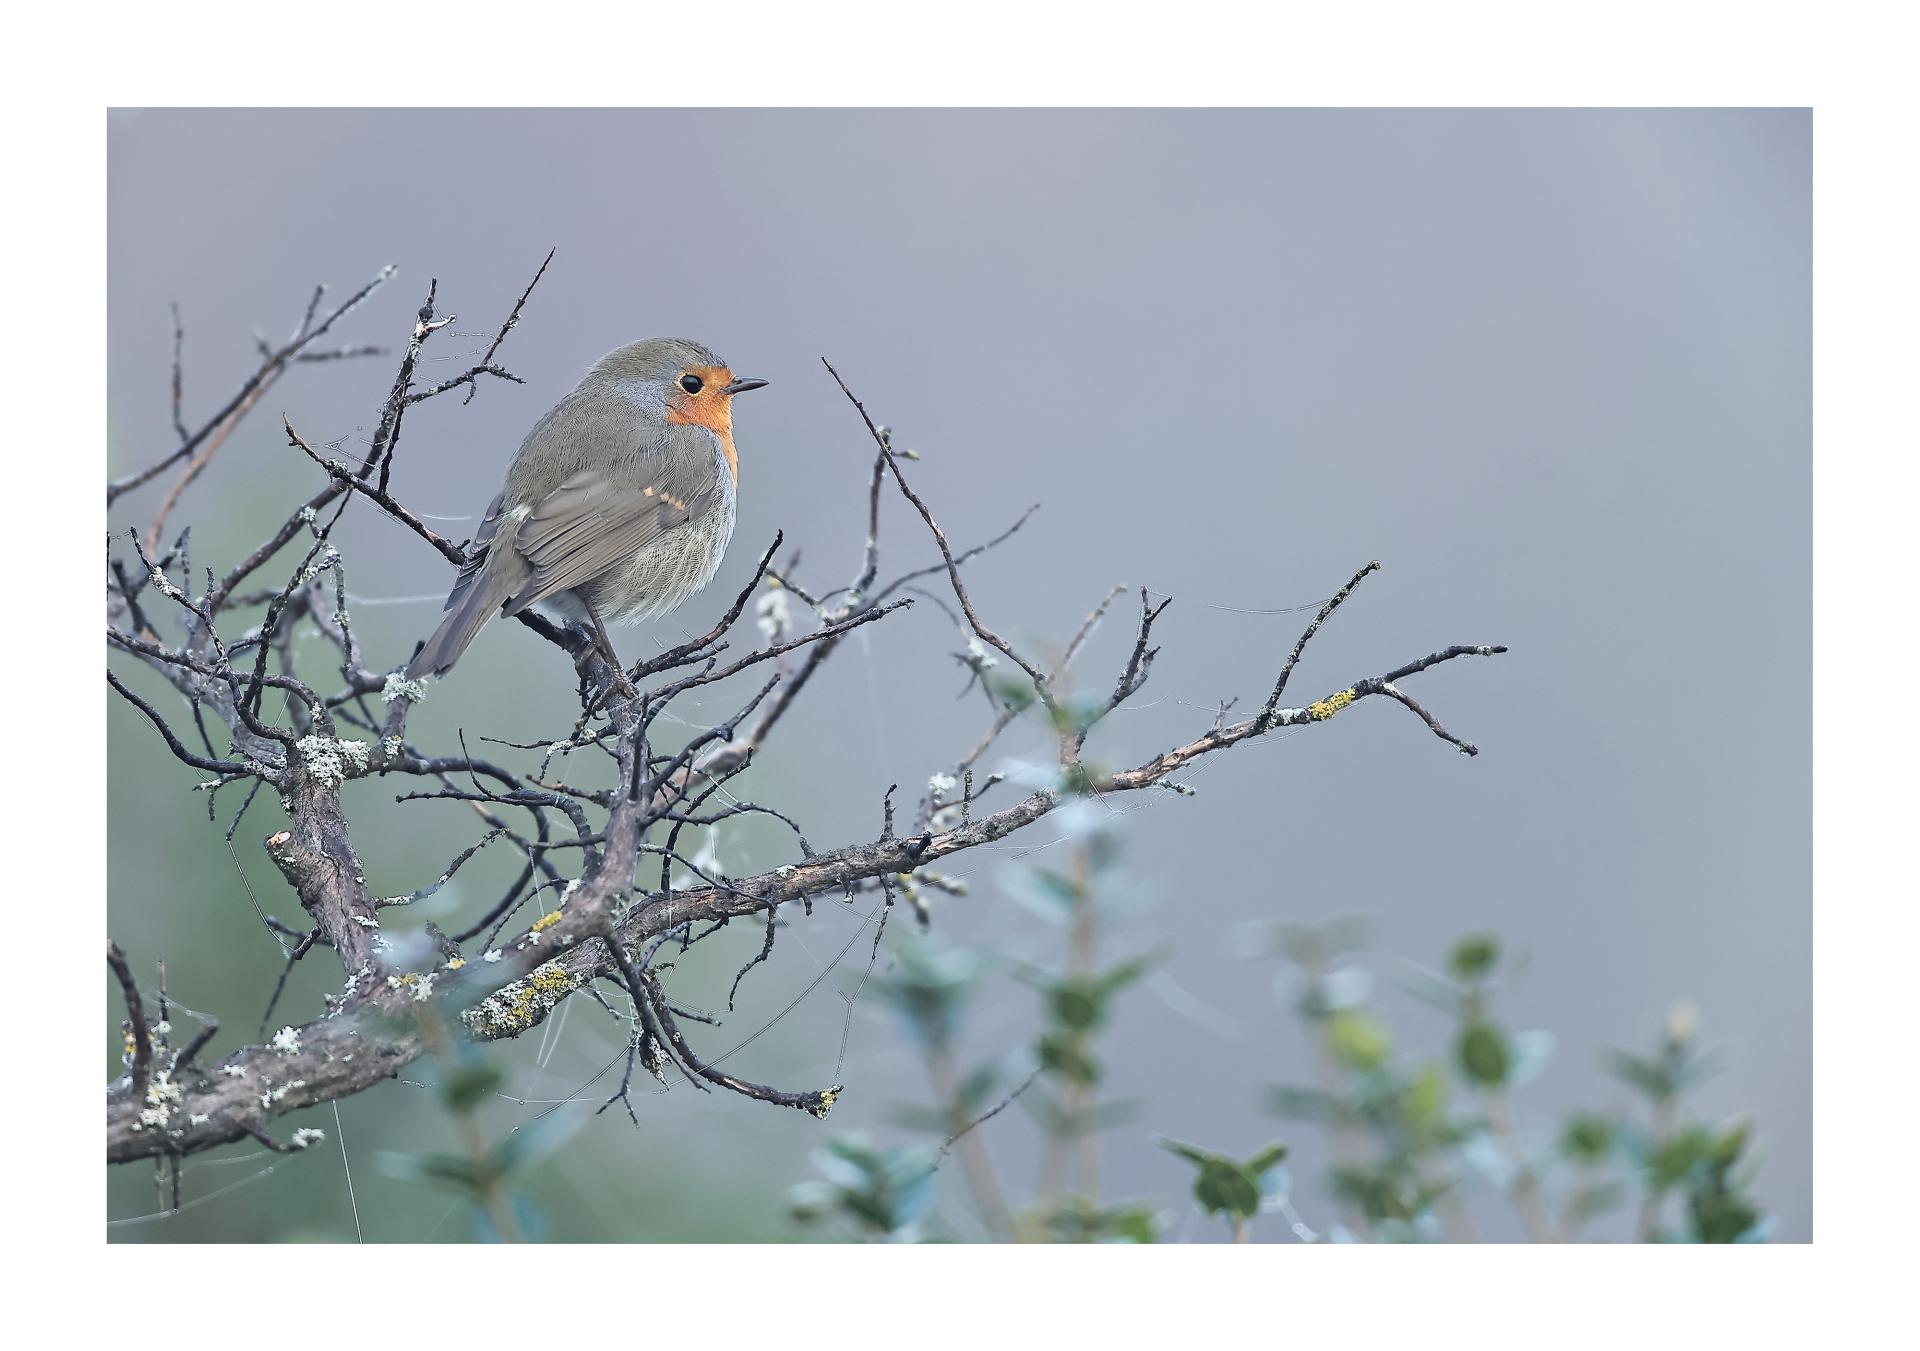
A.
pixel 710 408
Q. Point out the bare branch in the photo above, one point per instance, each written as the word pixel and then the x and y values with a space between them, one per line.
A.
pixel 248 392
pixel 661 775
pixel 512 322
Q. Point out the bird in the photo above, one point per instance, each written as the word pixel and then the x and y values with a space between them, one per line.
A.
pixel 618 506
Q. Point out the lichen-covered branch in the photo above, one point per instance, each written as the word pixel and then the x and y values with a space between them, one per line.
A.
pixel 580 911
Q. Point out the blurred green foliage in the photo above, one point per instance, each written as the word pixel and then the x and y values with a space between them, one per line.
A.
pixel 1235 1188
pixel 1412 1138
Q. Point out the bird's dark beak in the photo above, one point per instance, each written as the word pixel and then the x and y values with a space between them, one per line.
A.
pixel 742 385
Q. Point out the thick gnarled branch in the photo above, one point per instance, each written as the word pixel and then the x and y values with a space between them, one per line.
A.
pixel 601 923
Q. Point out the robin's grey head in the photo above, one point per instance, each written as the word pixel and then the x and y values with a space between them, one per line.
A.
pixel 687 382
pixel 672 363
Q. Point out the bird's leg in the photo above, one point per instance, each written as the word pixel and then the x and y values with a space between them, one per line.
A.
pixel 619 677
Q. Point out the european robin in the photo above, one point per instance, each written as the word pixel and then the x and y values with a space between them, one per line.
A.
pixel 618 506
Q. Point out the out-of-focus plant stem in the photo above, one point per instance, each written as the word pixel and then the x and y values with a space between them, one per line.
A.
pixel 487 1191
pixel 1529 1200
pixel 1660 1128
pixel 1075 1128
pixel 983 1184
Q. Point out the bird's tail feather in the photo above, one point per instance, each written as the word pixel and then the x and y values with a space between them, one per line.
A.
pixel 477 597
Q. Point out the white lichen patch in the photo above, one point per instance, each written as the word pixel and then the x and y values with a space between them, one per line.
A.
pixel 331 761
pixel 493 955
pixel 307 1136
pixel 403 980
pixel 940 785
pixel 287 1041
pixel 234 1071
pixel 163 1096
pixel 773 614
pixel 399 687
pixel 328 558
pixel 367 921
pixel 273 1095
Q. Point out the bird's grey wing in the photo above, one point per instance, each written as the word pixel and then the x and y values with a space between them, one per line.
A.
pixel 477 551
pixel 591 524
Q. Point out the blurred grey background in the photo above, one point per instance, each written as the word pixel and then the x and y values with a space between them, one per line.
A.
pixel 1552 368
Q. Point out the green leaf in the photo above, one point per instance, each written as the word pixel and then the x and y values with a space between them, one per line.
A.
pixel 1722 1218
pixel 1484 1056
pixel 1587 1138
pixel 1728 1148
pixel 1078 1005
pixel 1267 1158
pixel 1064 1056
pixel 1647 1076
pixel 1061 887
pixel 1225 1186
pixel 1357 1039
pixel 1191 1153
pixel 1474 957
pixel 1130 1224
pixel 1076 1220
pixel 1014 693
pixel 979 1084
pixel 469 1083
pixel 1122 974
pixel 1674 1158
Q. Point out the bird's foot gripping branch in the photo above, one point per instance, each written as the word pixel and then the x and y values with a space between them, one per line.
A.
pixel 604 892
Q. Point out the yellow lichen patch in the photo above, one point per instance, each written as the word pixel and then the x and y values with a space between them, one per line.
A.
pixel 827 1098
pixel 456 963
pixel 1330 705
pixel 546 922
pixel 514 1008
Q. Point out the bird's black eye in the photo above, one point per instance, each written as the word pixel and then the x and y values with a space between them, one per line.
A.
pixel 693 384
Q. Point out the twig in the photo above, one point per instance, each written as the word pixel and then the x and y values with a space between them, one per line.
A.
pixel 142 1066
pixel 513 320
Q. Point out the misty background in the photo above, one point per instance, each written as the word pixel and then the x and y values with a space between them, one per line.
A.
pixel 1551 368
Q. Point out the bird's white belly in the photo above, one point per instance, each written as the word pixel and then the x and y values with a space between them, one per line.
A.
pixel 667 572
